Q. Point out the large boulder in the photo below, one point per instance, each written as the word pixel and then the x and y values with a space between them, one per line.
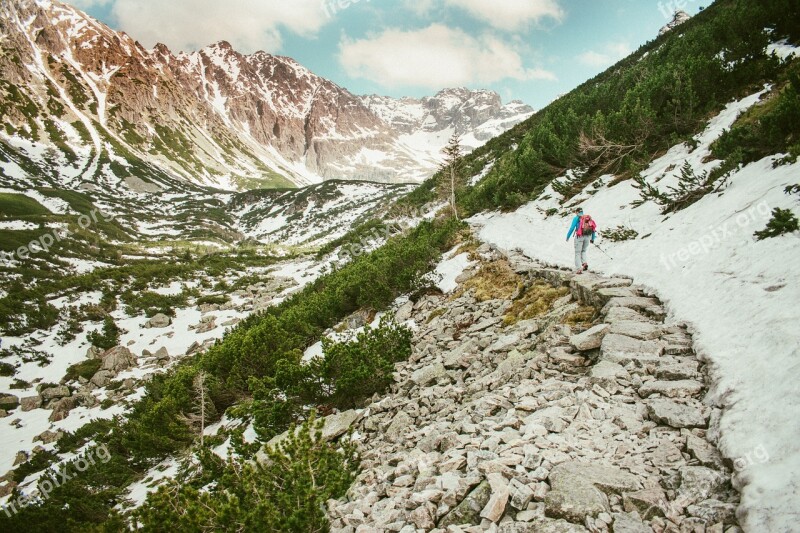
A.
pixel 638 330
pixel 334 426
pixel 62 408
pixel 622 349
pixel 589 339
pixel 675 414
pixel 102 378
pixel 159 321
pixel 580 490
pixel 29 403
pixel 8 401
pixel 51 393
pixel 118 359
pixel 429 374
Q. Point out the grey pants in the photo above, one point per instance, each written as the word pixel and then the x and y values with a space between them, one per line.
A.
pixel 581 246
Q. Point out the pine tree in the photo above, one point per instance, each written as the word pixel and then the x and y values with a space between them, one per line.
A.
pixel 450 171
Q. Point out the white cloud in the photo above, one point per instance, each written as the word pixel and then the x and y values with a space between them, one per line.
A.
pixel 511 14
pixel 419 7
pixel 607 56
pixel 249 25
pixel 432 58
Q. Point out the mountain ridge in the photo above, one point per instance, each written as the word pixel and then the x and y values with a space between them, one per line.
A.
pixel 213 116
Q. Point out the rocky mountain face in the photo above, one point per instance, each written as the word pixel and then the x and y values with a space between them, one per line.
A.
pixel 543 424
pixel 678 18
pixel 215 117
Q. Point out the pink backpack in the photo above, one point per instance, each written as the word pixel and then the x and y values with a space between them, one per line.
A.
pixel 586 226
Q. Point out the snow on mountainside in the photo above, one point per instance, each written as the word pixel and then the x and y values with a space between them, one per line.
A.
pixel 737 294
pixel 213 117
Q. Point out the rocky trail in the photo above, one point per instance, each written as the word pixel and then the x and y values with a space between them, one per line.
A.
pixel 587 416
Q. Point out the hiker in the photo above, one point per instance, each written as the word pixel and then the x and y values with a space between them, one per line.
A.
pixel 584 228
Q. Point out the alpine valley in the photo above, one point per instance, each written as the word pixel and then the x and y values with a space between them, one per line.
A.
pixel 235 296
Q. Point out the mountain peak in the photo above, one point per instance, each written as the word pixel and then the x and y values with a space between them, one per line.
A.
pixel 678 18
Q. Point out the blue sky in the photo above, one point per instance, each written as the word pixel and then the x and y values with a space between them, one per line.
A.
pixel 531 50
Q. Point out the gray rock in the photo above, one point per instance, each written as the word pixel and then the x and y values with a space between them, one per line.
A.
pixel 118 359
pixel 468 511
pixel 461 356
pixel 334 426
pixel 703 451
pixel 428 374
pixel 606 372
pixel 62 391
pixel 622 349
pixel 629 523
pixel 620 314
pixel 579 490
pixel 404 312
pixel 638 330
pixel 94 352
pixel 137 184
pixel 648 503
pixel 398 427
pixel 47 437
pixel 589 339
pixel 158 321
pixel 162 354
pixel 675 414
pixel 421 517
pixel 9 401
pixel 542 525
pixel 686 369
pixel 521 495
pixel 698 483
pixel 648 306
pixel 102 378
pixel 62 408
pixel 496 506
pixel 672 389
pixel 713 511
pixel 29 403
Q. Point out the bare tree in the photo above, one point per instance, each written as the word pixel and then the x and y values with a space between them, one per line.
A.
pixel 203 408
pixel 598 150
pixel 450 171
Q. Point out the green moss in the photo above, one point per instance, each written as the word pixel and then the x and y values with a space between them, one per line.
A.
pixel 18 205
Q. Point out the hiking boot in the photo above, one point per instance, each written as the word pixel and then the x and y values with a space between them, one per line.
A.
pixel 586 266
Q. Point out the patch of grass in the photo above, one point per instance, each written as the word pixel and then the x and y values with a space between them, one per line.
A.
pixel 583 316
pixel 535 301
pixel 84 369
pixel 7 370
pixel 435 313
pixel 217 299
pixel 620 233
pixel 19 205
pixel 494 280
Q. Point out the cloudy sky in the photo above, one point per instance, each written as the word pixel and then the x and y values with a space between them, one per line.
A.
pixel 532 50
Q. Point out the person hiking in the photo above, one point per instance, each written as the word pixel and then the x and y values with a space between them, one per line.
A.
pixel 584 228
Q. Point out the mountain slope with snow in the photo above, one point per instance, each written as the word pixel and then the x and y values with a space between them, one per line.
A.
pixel 215 117
pixel 736 293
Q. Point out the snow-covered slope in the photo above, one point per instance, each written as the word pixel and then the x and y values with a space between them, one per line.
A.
pixel 739 295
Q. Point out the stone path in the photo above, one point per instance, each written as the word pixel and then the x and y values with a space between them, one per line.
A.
pixel 539 426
